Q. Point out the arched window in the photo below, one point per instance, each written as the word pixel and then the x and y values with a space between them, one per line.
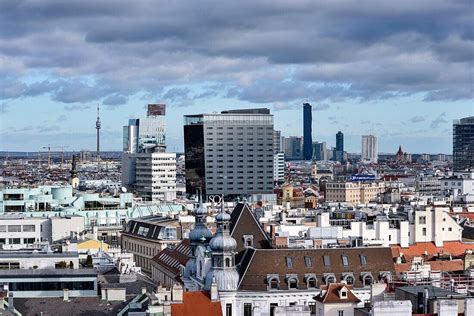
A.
pixel 227 262
pixel 274 284
pixel 349 279
pixel 311 282
pixel 367 280
pixel 330 279
pixel 292 283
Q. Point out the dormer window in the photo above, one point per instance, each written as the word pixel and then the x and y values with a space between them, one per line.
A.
pixel 343 293
pixel 248 241
pixel 273 281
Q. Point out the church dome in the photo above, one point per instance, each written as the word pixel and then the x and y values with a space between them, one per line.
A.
pixel 198 232
pixel 226 280
pixel 223 217
pixel 220 243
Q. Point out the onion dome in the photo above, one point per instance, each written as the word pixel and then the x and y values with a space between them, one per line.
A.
pixel 222 243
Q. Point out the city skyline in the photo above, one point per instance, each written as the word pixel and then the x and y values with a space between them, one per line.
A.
pixel 404 83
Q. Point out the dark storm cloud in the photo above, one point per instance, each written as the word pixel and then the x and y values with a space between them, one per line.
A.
pixel 264 51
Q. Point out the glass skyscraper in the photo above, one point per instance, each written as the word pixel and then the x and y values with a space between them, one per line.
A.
pixel 463 144
pixel 339 153
pixel 307 131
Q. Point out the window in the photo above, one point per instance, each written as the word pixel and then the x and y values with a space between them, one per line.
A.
pixel 311 282
pixel 423 232
pixel 363 260
pixel 422 220
pixel 343 294
pixel 292 283
pixel 345 260
pixel 247 309
pixel 307 261
pixel 14 228
pixel 228 309
pixel 289 262
pixel 340 313
pixel 272 308
pixel 326 261
pixel 274 284
pixel 3 228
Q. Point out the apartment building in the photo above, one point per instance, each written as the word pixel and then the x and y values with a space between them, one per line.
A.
pixel 353 192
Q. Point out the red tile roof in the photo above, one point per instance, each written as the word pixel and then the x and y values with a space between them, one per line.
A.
pixel 455 248
pixel 173 259
pixel 332 294
pixel 196 303
pixel 453 265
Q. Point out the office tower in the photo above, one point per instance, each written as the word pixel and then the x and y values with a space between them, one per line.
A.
pixel 97 127
pixel 339 153
pixel 155 176
pixel 279 167
pixel 276 142
pixel 292 147
pixel 307 131
pixel 146 168
pixel 229 153
pixel 369 148
pixel 463 144
pixel 320 151
pixel 146 134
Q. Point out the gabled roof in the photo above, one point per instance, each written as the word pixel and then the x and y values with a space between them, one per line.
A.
pixel 330 294
pixel 256 264
pixel 196 303
pixel 243 222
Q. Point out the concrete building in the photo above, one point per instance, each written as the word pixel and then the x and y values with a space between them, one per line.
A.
pixel 428 185
pixel 320 152
pixel 369 148
pixel 277 142
pixel 353 192
pixel 463 144
pixel 20 232
pixel 307 132
pixel 155 176
pixel 229 153
pixel 279 167
pixel 34 259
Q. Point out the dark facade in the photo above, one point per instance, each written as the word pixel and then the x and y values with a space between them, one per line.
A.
pixel 339 153
pixel 307 131
pixel 463 144
pixel 194 157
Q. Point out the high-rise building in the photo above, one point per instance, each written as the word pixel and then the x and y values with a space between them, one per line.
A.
pixel 339 153
pixel 307 132
pixel 97 127
pixel 369 148
pixel 292 147
pixel 229 153
pixel 320 151
pixel 146 168
pixel 279 167
pixel 463 144
pixel 277 142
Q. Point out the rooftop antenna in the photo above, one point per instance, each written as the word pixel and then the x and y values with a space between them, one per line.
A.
pixel 97 126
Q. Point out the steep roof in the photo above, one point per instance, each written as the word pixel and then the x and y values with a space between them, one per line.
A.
pixel 196 303
pixel 173 259
pixel 258 263
pixel 330 294
pixel 243 222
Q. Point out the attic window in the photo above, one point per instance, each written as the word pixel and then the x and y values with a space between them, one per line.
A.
pixel 307 262
pixel 363 260
pixel 292 283
pixel 326 261
pixel 343 293
pixel 289 262
pixel 345 260
pixel 311 283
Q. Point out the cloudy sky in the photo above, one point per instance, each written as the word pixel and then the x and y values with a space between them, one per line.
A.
pixel 402 70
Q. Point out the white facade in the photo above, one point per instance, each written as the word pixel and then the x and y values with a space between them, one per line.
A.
pixel 18 232
pixel 156 175
pixel 461 183
pixel 279 167
pixel 369 148
pixel 389 308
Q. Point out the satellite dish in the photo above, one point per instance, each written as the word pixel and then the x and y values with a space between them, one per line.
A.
pixel 124 189
pixel 75 182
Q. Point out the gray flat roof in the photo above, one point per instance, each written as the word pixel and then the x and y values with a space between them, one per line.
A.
pixel 433 291
pixel 47 272
pixel 39 254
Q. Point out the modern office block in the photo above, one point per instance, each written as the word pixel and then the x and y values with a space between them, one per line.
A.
pixel 292 147
pixel 277 142
pixel 339 153
pixel 320 152
pixel 463 144
pixel 229 153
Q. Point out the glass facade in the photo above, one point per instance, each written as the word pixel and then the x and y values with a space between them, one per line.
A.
pixel 194 157
pixel 52 286
pixel 307 132
pixel 463 144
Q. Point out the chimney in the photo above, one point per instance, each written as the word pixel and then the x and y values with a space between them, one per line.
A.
pixel 65 295
pixel 177 294
pixel 11 307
